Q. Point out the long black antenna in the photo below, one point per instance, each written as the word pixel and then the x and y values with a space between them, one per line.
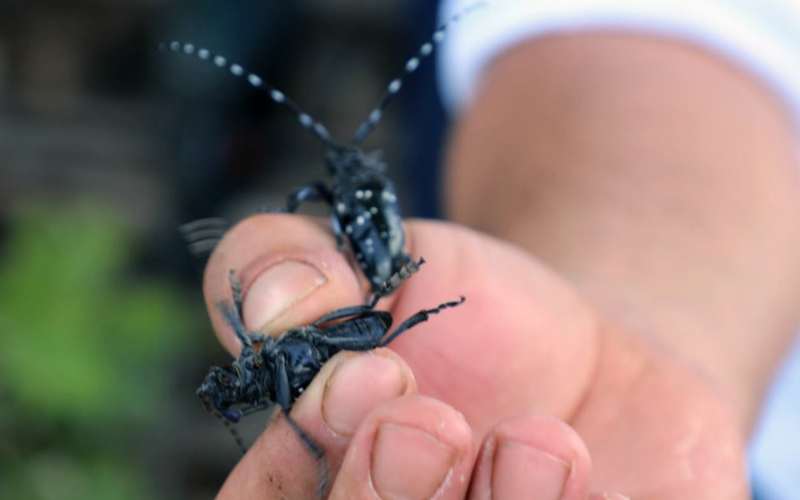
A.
pixel 278 97
pixel 238 438
pixel 411 66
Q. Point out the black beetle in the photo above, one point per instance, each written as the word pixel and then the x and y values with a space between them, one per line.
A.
pixel 276 370
pixel 362 199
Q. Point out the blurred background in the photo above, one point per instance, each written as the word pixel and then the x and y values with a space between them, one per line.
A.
pixel 106 147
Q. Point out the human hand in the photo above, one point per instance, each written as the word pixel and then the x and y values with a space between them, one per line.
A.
pixel 524 354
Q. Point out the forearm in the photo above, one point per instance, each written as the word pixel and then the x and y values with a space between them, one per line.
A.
pixel 659 180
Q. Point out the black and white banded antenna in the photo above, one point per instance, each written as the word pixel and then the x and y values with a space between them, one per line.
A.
pixel 411 66
pixel 255 81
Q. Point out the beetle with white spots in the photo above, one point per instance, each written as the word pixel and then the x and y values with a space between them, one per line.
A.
pixel 363 203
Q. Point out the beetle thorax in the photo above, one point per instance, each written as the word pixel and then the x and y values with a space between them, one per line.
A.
pixel 353 163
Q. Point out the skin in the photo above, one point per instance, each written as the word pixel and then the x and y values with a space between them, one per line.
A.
pixel 626 219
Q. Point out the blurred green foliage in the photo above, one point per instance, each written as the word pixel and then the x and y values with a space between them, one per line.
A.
pixel 86 346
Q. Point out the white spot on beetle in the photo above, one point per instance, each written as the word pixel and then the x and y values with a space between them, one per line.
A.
pixel 321 130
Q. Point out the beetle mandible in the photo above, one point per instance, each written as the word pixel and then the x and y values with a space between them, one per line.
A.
pixel 362 200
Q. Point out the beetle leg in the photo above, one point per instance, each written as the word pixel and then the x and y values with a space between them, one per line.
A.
pixel 337 232
pixel 419 318
pixel 236 290
pixel 283 393
pixel 284 399
pixel 343 313
pixel 271 210
pixel 396 280
pixel 315 191
pixel 260 337
pixel 316 451
pixel 347 343
pixel 232 316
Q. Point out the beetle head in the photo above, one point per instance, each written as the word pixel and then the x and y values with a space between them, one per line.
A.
pixel 221 389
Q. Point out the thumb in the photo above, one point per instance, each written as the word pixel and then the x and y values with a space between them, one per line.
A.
pixel 290 274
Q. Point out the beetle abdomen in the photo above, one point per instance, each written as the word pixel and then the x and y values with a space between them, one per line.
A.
pixel 374 227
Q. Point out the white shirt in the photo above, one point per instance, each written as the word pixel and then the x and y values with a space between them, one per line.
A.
pixel 761 36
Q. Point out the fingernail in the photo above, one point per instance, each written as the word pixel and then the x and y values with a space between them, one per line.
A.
pixel 614 496
pixel 357 385
pixel 408 463
pixel 277 289
pixel 520 471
